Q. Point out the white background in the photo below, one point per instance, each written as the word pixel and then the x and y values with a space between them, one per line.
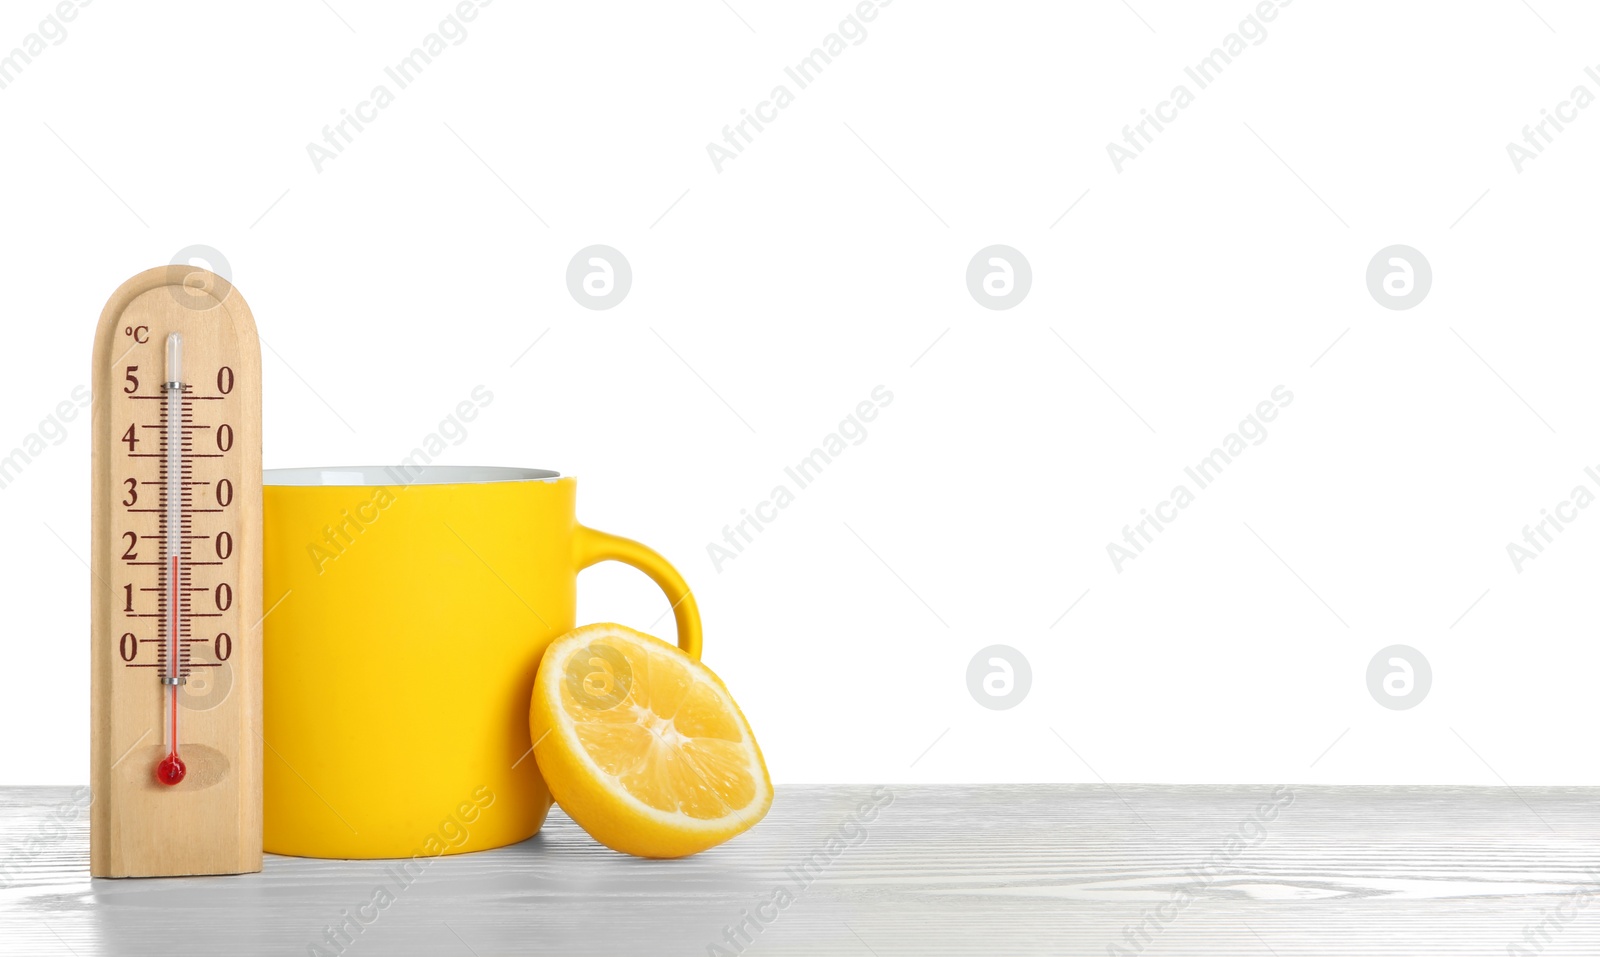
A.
pixel 825 261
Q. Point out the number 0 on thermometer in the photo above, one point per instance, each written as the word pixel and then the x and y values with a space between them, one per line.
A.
pixel 176 653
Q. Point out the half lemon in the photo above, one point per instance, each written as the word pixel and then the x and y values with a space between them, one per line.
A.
pixel 643 746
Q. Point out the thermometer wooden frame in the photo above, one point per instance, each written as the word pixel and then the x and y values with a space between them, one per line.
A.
pixel 209 822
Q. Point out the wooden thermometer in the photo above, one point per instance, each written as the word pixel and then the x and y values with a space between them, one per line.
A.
pixel 176 655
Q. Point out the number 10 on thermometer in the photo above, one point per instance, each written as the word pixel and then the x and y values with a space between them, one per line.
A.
pixel 176 584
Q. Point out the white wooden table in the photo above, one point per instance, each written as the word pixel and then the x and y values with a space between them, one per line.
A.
pixel 1036 869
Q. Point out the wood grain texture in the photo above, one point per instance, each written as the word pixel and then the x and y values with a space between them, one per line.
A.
pixel 210 822
pixel 1028 869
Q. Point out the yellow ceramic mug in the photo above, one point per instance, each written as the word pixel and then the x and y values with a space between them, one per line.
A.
pixel 407 614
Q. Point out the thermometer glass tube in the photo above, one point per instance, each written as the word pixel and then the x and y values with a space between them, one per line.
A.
pixel 171 768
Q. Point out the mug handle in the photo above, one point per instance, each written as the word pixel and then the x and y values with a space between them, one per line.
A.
pixel 590 546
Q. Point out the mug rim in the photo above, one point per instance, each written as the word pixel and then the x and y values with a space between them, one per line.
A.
pixel 369 476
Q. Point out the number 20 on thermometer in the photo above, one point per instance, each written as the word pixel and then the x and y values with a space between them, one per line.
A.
pixel 176 583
